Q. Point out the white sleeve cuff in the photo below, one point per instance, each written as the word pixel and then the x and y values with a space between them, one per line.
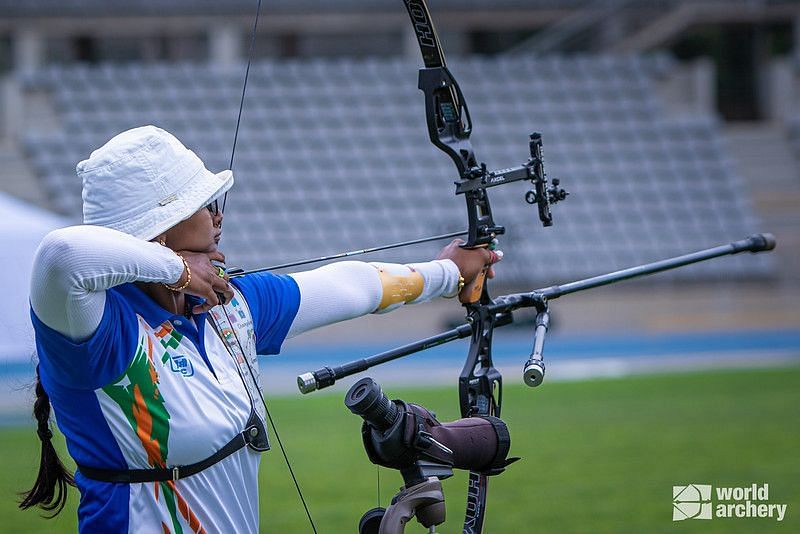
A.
pixel 441 279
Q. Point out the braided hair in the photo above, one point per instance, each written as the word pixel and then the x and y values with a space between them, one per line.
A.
pixel 49 491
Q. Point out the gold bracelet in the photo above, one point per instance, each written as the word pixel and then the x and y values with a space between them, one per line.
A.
pixel 173 287
pixel 460 287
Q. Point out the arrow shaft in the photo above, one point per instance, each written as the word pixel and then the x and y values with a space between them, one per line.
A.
pixel 348 254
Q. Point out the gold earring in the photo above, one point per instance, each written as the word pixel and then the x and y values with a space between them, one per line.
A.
pixel 162 241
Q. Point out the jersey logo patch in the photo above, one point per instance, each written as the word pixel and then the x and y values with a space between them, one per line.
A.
pixel 182 365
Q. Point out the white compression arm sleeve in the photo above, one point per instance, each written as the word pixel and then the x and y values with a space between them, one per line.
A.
pixel 74 266
pixel 350 289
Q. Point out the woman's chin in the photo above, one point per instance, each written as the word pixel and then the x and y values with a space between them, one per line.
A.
pixel 213 247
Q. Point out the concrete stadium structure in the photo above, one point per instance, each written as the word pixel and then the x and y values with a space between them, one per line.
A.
pixel 79 71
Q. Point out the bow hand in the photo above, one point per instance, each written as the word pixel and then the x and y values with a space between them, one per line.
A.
pixel 474 264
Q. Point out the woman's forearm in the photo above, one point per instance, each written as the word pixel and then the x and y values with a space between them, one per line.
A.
pixel 350 289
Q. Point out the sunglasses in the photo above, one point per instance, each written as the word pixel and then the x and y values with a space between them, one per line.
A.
pixel 213 208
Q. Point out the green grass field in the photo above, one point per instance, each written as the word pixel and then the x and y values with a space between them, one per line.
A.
pixel 597 456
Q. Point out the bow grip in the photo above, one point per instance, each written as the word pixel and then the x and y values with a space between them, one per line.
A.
pixel 472 292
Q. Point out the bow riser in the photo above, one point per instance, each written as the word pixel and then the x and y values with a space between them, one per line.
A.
pixel 449 122
pixel 449 128
pixel 480 393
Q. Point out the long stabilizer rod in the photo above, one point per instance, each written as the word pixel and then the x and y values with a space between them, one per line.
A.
pixel 755 243
pixel 504 305
pixel 327 376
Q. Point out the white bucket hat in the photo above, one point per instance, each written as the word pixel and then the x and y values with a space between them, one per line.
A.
pixel 144 181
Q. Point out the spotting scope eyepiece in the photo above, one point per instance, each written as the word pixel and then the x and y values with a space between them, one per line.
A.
pixel 366 399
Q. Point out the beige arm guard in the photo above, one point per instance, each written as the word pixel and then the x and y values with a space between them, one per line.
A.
pixel 416 282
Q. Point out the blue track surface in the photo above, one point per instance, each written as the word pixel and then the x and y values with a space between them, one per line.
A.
pixel 513 349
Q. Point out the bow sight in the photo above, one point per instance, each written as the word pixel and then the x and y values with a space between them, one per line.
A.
pixel 450 126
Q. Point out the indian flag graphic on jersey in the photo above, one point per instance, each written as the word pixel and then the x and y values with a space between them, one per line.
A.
pixel 137 394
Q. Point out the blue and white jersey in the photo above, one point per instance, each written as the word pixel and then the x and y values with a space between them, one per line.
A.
pixel 150 390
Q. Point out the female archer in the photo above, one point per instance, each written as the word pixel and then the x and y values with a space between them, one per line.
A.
pixel 147 351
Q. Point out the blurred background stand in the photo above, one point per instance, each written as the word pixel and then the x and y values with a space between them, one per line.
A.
pixel 675 124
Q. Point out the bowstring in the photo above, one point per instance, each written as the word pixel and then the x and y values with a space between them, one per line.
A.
pixel 244 91
pixel 225 311
pixel 269 417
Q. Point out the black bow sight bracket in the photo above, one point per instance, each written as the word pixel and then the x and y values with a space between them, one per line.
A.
pixel 449 128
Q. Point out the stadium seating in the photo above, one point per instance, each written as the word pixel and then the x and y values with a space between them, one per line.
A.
pixel 793 127
pixel 334 155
